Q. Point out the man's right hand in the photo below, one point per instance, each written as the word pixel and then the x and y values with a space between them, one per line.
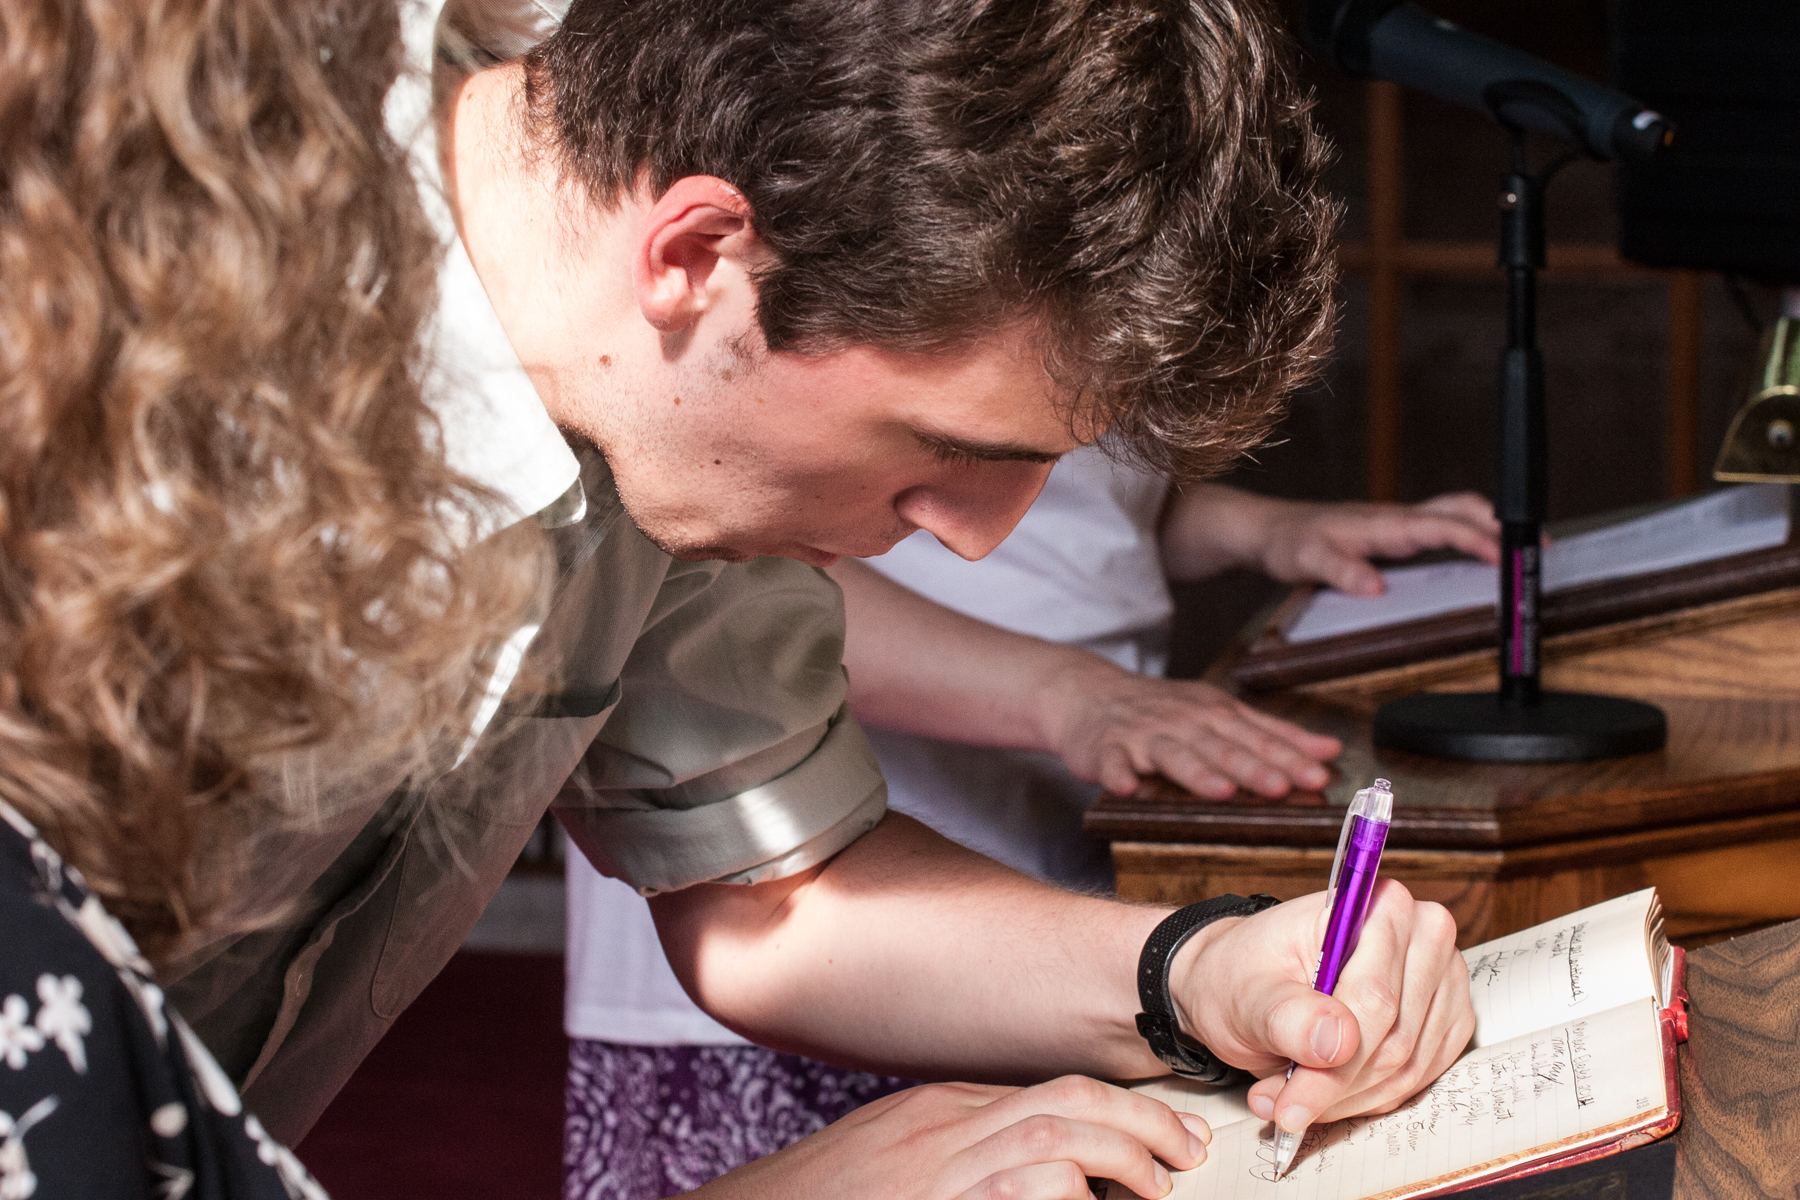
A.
pixel 1399 1016
pixel 963 1141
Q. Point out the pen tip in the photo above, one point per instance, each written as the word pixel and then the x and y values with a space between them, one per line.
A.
pixel 1287 1145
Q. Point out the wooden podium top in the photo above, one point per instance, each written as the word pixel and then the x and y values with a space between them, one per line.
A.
pixel 1725 759
pixel 1727 675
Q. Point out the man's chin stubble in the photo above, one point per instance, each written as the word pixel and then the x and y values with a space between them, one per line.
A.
pixel 697 551
pixel 806 548
pixel 709 553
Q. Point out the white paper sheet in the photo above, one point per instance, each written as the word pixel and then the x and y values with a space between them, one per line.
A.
pixel 1574 966
pixel 1733 521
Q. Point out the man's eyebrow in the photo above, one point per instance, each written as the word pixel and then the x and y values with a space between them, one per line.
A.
pixel 946 446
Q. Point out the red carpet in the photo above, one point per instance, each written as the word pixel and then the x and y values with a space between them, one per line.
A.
pixel 463 1098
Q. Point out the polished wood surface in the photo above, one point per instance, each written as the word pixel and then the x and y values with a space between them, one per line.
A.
pixel 1712 820
pixel 1731 693
pixel 1740 1071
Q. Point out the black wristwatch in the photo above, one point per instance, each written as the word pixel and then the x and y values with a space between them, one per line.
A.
pixel 1157 1022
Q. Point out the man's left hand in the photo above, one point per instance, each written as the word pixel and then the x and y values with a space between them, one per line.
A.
pixel 1333 543
pixel 1116 727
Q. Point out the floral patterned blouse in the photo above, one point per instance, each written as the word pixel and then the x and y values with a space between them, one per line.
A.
pixel 104 1091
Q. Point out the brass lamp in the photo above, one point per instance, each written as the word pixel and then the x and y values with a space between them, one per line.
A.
pixel 1763 443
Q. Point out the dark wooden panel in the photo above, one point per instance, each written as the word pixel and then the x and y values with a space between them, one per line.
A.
pixel 1715 880
pixel 1462 882
pixel 1740 1071
pixel 1681 419
pixel 1475 260
pixel 1387 233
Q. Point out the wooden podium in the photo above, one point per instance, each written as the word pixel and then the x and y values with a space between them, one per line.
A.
pixel 1713 820
pixel 1740 1072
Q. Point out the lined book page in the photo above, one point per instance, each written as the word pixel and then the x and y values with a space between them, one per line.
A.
pixel 1580 1081
pixel 1586 962
pixel 1216 1106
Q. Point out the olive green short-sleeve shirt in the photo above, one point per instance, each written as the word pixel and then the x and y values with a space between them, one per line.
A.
pixel 697 734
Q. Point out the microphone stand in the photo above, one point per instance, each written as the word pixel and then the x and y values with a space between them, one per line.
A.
pixel 1521 722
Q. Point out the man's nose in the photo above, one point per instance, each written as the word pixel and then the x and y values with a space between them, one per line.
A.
pixel 970 520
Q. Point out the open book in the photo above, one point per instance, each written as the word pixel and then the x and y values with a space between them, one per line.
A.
pixel 1573 1056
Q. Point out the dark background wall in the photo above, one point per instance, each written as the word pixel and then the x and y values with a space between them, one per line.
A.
pixel 1605 341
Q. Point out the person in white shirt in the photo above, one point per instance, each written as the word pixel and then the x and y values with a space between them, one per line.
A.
pixel 1000 696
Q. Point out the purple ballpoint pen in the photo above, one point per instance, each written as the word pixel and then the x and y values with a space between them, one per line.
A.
pixel 1347 903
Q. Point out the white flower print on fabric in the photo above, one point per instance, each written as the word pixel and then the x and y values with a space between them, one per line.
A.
pixel 176 1183
pixel 169 1120
pixel 114 944
pixel 16 1179
pixel 109 937
pixel 19 1038
pixel 63 1018
pixel 11 816
pixel 294 1177
pixel 49 865
pixel 149 997
pixel 215 1085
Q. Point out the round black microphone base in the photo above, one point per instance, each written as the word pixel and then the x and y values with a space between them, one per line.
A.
pixel 1560 727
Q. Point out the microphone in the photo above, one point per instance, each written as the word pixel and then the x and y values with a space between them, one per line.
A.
pixel 1400 42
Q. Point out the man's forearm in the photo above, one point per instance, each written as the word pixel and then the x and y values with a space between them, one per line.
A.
pixel 918 667
pixel 910 955
pixel 1208 528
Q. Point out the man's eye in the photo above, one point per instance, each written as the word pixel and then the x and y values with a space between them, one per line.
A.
pixel 951 456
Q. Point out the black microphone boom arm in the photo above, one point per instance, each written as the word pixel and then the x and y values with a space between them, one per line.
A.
pixel 1399 41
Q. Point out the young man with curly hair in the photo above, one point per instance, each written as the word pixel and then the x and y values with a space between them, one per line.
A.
pixel 796 278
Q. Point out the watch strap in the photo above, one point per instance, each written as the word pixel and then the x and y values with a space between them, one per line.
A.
pixel 1157 1022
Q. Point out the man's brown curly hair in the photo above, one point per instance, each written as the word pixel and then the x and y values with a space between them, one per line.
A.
pixel 223 502
pixel 1140 177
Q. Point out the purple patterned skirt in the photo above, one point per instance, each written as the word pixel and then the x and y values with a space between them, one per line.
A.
pixel 645 1122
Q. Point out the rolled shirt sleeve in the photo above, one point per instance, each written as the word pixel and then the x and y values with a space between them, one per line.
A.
pixel 685 718
pixel 730 756
pixel 796 820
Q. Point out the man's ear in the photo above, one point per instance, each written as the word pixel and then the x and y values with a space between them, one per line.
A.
pixel 699 222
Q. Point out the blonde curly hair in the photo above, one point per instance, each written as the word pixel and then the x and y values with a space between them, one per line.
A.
pixel 224 507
